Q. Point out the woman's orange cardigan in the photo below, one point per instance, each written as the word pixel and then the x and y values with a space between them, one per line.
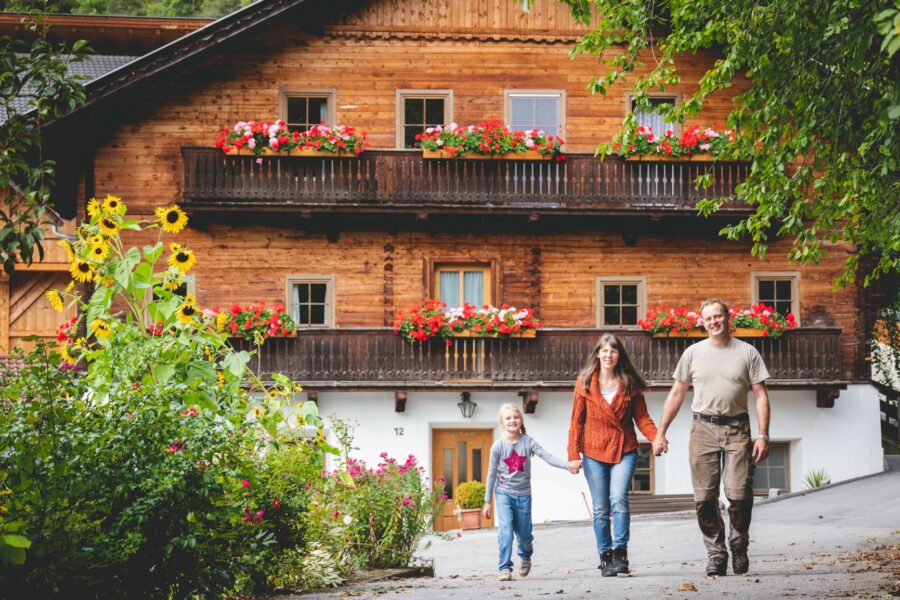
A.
pixel 605 431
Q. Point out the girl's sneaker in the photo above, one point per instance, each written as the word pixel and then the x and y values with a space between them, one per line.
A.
pixel 505 575
pixel 525 567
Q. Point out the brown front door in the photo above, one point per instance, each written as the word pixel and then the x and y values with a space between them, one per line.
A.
pixel 459 455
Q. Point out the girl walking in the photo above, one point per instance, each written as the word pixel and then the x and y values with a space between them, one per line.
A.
pixel 509 472
pixel 609 401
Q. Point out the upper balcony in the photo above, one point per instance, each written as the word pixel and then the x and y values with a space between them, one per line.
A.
pixel 401 180
pixel 376 358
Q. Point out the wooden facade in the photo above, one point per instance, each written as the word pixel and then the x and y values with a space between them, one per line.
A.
pixel 379 223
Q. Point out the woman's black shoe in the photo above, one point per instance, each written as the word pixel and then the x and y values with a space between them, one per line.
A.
pixel 606 564
pixel 620 560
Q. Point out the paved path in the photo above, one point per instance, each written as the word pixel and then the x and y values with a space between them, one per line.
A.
pixel 810 546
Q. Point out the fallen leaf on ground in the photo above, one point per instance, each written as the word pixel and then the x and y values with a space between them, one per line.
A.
pixel 687 587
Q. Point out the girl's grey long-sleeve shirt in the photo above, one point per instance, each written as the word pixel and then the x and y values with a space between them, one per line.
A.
pixel 509 470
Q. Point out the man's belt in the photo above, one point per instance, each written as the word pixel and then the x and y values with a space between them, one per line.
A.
pixel 732 421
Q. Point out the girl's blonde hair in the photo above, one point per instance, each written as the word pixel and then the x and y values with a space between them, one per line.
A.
pixel 511 406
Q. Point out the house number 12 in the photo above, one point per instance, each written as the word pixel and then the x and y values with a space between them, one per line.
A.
pixel 398 431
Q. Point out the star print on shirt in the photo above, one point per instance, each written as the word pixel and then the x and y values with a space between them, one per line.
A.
pixel 515 462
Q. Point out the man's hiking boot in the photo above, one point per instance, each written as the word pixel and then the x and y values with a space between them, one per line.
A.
pixel 716 565
pixel 620 560
pixel 607 569
pixel 740 563
pixel 525 567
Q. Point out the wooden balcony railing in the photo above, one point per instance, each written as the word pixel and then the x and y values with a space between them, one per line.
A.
pixel 377 358
pixel 381 179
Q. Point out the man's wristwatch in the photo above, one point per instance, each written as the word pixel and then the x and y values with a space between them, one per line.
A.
pixel 763 436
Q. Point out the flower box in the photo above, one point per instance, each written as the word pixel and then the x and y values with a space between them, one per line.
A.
pixel 690 157
pixel 527 155
pixel 307 152
pixel 523 333
pixel 701 333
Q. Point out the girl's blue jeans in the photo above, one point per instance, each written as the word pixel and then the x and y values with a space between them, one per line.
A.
pixel 609 484
pixel 513 517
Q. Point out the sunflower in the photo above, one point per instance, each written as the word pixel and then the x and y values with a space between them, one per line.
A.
pixel 93 207
pixel 188 310
pixel 181 258
pixel 108 225
pixel 96 239
pixel 221 321
pixel 64 353
pixel 69 287
pixel 99 252
pixel 70 253
pixel 173 285
pixel 81 270
pixel 100 328
pixel 114 205
pixel 55 299
pixel 171 218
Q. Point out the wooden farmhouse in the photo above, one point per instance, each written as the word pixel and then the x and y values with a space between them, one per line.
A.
pixel 345 242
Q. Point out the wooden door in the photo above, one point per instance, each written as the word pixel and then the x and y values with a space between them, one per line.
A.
pixel 459 455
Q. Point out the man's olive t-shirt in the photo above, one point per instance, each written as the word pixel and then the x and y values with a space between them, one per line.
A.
pixel 721 376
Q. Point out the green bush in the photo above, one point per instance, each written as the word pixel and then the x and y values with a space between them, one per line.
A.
pixel 469 495
pixel 816 478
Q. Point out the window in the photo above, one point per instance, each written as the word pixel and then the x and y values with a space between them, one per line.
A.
pixel 774 472
pixel 457 284
pixel 621 301
pixel 311 300
pixel 420 109
pixel 778 290
pixel 303 109
pixel 642 482
pixel 651 118
pixel 542 110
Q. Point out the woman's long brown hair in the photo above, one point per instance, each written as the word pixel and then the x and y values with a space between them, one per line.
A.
pixel 624 371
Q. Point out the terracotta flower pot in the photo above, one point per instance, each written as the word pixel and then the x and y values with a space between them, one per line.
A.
pixel 469 518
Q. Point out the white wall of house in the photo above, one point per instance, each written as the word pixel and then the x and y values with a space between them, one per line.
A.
pixel 844 440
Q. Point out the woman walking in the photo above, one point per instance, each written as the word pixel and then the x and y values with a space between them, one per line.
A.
pixel 608 402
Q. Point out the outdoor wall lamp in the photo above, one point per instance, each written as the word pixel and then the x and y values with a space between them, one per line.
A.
pixel 466 406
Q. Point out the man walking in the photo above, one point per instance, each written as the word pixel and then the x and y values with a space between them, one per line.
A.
pixel 722 370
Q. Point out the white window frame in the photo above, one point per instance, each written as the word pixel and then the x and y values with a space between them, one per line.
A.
pixel 403 94
pixel 328 280
pixel 330 94
pixel 676 99
pixel 561 106
pixel 792 276
pixel 639 280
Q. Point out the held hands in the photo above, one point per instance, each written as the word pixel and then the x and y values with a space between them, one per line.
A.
pixel 660 445
pixel 574 467
pixel 760 450
pixel 486 511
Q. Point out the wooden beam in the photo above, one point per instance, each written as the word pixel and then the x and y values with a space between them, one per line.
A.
pixel 825 396
pixel 56 267
pixel 4 314
pixel 399 401
pixel 529 401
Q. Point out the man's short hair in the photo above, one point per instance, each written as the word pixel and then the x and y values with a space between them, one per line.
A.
pixel 718 301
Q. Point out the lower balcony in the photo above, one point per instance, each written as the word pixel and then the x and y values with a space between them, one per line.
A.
pixel 376 358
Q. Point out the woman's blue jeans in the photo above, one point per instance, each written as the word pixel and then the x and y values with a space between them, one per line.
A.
pixel 513 517
pixel 609 484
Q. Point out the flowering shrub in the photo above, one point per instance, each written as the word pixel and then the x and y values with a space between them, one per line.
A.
pixel 431 318
pixel 255 322
pixel 489 137
pixel 262 136
pixel 715 141
pixel 660 319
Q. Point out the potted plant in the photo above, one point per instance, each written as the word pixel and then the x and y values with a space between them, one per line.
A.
pixel 432 318
pixel 469 502
pixel 273 138
pixel 699 143
pixel 757 321
pixel 488 140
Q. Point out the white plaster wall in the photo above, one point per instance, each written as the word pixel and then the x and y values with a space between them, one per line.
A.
pixel 845 440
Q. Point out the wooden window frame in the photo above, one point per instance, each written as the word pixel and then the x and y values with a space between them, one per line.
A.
pixel 561 108
pixel 329 93
pixel 328 280
pixel 792 276
pixel 787 468
pixel 677 98
pixel 431 266
pixel 403 94
pixel 639 280
pixel 652 491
